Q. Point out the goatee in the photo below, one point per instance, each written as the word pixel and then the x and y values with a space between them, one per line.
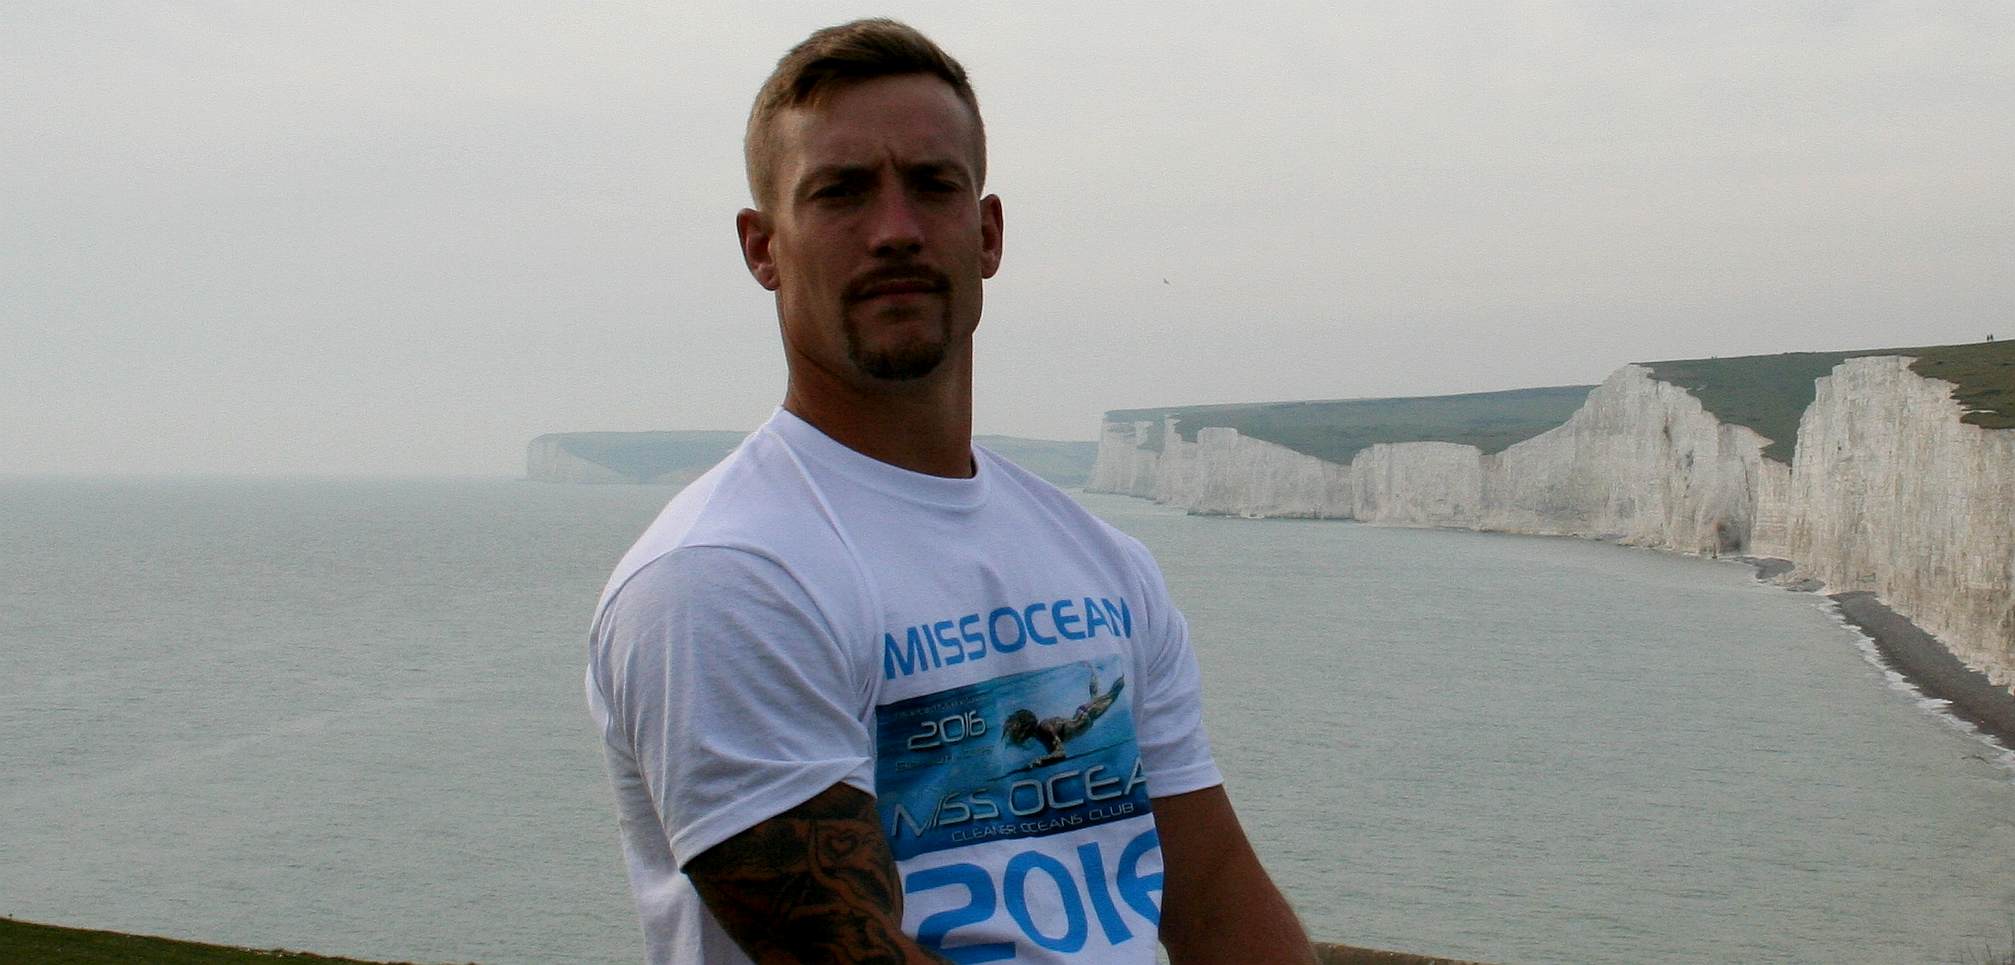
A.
pixel 900 363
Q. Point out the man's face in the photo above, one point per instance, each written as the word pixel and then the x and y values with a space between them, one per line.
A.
pixel 877 238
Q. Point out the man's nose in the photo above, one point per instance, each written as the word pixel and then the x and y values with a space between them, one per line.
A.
pixel 897 226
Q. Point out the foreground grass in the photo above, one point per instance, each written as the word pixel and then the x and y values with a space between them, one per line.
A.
pixel 34 944
pixel 1770 393
pixel 28 943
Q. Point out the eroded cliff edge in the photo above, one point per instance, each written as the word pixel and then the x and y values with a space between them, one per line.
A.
pixel 1889 489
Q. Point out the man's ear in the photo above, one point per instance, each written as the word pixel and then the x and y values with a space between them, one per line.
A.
pixel 754 231
pixel 991 228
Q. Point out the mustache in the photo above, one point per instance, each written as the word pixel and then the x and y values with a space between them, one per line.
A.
pixel 869 281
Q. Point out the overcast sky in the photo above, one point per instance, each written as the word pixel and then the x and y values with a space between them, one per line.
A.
pixel 406 238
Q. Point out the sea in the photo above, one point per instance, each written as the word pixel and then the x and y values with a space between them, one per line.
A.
pixel 346 716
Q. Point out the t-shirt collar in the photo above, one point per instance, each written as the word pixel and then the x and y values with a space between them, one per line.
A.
pixel 939 491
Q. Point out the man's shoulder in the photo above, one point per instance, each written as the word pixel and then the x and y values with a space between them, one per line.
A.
pixel 1065 509
pixel 753 502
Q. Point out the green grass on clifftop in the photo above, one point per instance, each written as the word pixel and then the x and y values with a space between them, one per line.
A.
pixel 28 942
pixel 1770 393
pixel 1338 429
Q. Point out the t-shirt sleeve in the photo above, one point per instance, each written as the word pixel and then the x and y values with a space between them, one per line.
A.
pixel 1175 751
pixel 735 695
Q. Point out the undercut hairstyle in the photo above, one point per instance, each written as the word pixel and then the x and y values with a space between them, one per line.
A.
pixel 837 56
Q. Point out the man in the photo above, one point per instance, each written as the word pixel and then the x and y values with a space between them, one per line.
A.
pixel 1052 732
pixel 800 670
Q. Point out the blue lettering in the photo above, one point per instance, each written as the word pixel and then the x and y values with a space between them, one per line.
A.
pixel 942 630
pixel 1028 616
pixel 994 630
pixel 1075 928
pixel 909 659
pixel 1006 629
pixel 1066 618
pixel 1120 616
pixel 1135 887
pixel 1093 619
pixel 972 636
pixel 980 903
pixel 1101 896
pixel 932 931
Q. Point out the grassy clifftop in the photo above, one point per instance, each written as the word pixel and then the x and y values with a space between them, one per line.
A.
pixel 1769 393
pixel 1338 429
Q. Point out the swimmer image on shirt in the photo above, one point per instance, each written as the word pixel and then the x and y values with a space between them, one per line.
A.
pixel 1053 731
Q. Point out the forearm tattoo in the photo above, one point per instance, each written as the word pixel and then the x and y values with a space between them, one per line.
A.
pixel 813 884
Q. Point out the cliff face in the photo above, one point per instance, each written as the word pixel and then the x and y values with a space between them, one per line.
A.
pixel 1891 493
pixel 1889 490
pixel 1129 454
pixel 1642 463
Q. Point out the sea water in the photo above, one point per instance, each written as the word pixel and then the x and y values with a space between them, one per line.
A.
pixel 346 716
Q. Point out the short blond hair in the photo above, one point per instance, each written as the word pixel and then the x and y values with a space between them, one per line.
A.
pixel 832 58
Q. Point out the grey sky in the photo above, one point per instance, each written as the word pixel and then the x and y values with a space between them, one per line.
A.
pixel 347 238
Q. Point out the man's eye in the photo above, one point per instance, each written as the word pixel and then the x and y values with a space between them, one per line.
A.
pixel 834 191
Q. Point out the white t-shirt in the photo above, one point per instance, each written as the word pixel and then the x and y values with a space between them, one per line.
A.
pixel 1001 669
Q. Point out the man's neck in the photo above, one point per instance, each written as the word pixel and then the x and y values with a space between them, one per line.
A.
pixel 924 428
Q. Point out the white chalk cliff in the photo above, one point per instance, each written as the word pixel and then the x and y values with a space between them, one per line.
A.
pixel 1888 492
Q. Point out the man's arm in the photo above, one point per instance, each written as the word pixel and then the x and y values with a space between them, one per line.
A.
pixel 1217 904
pixel 813 884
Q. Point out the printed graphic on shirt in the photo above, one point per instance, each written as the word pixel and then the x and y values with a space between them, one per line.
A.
pixel 1019 756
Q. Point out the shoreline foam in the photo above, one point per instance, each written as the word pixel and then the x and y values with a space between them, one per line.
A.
pixel 1931 668
pixel 1926 666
